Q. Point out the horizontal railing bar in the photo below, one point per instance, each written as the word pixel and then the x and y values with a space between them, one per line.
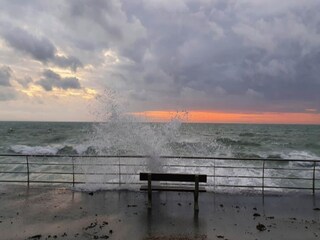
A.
pixel 274 187
pixel 295 169
pixel 40 181
pixel 14 181
pixel 259 177
pixel 165 165
pixel 70 173
pixel 12 163
pixel 134 174
pixel 168 157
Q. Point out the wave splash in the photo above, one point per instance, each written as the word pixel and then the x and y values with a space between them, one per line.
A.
pixel 119 132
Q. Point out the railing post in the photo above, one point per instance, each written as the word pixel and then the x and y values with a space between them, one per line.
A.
pixel 263 165
pixel 28 172
pixel 214 175
pixel 73 180
pixel 149 191
pixel 119 171
pixel 196 193
pixel 314 178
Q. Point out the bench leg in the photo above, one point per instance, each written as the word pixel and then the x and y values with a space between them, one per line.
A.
pixel 149 192
pixel 196 194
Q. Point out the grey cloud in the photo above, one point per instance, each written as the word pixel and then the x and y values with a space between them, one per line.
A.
pixel 51 79
pixel 39 48
pixel 7 92
pixel 270 53
pixel 24 81
pixel 219 54
pixel 5 75
pixel 72 62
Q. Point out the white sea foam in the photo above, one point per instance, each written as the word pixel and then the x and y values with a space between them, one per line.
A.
pixel 295 154
pixel 33 150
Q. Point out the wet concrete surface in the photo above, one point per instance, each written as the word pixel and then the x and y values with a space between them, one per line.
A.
pixel 53 213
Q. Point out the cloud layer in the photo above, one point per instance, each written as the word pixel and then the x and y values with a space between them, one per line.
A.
pixel 229 55
pixel 51 79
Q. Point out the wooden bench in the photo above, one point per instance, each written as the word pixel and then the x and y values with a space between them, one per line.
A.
pixel 173 177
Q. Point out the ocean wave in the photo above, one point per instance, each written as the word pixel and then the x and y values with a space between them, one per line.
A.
pixel 25 149
pixel 246 155
pixel 313 145
pixel 295 154
pixel 247 134
pixel 55 149
pixel 231 142
pixel 50 149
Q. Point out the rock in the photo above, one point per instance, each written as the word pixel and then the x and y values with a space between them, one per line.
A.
pixel 38 236
pixel 132 205
pixel 316 209
pixel 92 225
pixel 110 231
pixel 255 208
pixel 104 237
pixel 256 215
pixel 91 193
pixel 261 227
pixel 220 236
pixel 221 205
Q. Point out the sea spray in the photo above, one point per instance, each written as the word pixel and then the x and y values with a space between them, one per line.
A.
pixel 117 132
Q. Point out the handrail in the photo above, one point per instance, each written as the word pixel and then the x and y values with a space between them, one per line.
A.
pixel 162 156
pixel 259 173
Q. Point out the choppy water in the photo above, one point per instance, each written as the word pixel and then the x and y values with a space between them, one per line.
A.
pixel 230 140
pixel 122 136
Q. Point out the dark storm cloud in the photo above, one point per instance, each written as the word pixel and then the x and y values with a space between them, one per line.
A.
pixel 38 47
pixel 65 62
pixel 207 54
pixel 5 75
pixel 51 79
pixel 233 54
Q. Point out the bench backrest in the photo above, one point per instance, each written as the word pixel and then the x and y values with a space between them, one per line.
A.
pixel 174 177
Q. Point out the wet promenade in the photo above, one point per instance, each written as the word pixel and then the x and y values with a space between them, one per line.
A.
pixel 52 213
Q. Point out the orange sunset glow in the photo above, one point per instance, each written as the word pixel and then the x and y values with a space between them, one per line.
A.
pixel 227 117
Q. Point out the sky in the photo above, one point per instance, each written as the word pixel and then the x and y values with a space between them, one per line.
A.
pixel 244 61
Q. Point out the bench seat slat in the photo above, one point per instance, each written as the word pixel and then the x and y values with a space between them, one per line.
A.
pixel 176 177
pixel 172 188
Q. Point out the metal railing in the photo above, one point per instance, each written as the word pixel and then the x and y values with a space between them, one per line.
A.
pixel 120 171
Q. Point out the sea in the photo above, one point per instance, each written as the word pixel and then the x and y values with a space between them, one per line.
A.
pixel 120 137
pixel 176 139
